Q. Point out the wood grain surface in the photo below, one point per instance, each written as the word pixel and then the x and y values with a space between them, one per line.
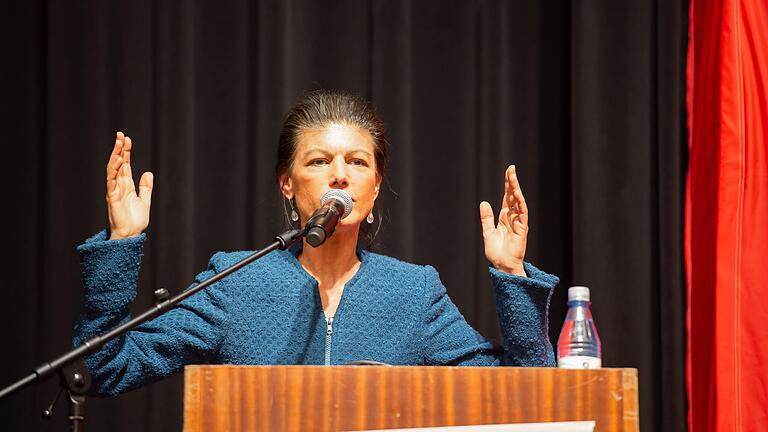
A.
pixel 318 398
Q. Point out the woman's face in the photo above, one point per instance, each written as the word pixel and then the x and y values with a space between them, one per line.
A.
pixel 335 157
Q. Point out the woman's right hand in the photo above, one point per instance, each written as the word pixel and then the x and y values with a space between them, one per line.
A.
pixel 128 212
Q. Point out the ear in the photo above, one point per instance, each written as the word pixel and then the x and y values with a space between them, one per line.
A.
pixel 286 186
pixel 377 187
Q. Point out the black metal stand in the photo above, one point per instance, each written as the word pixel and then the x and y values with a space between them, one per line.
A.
pixel 74 375
pixel 75 379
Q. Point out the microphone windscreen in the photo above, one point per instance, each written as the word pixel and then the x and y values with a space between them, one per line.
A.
pixel 340 196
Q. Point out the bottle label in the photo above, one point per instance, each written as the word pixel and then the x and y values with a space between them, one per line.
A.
pixel 579 362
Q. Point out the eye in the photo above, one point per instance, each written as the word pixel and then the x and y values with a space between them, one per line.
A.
pixel 318 162
pixel 358 162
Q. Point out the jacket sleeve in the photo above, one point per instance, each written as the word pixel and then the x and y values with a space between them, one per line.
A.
pixel 156 349
pixel 523 307
pixel 522 304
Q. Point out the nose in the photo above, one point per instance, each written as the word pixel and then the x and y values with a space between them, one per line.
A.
pixel 339 175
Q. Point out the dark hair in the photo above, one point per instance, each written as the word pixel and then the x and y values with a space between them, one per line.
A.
pixel 321 108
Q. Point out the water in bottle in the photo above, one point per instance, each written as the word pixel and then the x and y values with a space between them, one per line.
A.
pixel 578 346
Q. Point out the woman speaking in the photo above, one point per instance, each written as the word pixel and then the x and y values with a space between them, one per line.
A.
pixel 334 304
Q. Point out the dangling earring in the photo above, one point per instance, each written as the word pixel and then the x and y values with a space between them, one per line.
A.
pixel 294 215
pixel 369 219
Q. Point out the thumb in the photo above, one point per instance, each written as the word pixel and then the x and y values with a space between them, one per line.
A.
pixel 486 217
pixel 145 187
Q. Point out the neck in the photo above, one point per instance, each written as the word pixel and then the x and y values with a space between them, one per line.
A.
pixel 334 260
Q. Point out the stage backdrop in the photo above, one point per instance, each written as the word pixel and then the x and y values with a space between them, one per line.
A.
pixel 585 97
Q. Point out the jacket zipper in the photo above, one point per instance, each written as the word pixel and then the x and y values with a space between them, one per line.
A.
pixel 328 335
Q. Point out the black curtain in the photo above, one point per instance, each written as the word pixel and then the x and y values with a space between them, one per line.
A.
pixel 587 98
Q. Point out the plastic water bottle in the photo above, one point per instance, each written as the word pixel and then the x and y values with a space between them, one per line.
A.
pixel 578 346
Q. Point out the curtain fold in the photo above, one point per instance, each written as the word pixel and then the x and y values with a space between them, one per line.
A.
pixel 726 214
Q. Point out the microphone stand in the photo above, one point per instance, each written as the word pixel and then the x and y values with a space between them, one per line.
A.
pixel 73 374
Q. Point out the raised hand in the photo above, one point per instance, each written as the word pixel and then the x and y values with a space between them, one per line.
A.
pixel 128 211
pixel 505 242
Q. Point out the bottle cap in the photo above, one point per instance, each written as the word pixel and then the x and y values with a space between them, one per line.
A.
pixel 578 293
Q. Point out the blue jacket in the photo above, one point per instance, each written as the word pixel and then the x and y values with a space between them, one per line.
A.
pixel 270 313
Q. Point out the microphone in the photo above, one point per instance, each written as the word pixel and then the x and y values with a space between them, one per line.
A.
pixel 335 205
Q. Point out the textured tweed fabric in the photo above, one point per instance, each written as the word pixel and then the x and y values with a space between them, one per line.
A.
pixel 270 313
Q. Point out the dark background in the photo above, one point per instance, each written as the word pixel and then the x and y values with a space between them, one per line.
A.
pixel 586 97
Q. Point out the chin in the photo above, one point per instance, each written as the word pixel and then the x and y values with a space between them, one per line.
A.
pixel 349 222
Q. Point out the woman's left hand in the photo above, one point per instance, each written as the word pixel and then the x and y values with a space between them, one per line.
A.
pixel 505 242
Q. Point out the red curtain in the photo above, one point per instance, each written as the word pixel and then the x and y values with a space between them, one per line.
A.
pixel 726 236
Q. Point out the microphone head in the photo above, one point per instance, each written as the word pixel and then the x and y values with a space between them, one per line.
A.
pixel 339 196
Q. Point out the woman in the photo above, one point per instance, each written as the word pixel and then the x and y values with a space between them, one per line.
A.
pixel 334 304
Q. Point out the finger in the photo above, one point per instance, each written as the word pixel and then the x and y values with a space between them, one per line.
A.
pixel 117 149
pixel 516 202
pixel 520 228
pixel 521 218
pixel 127 150
pixel 115 162
pixel 504 218
pixel 514 191
pixel 508 189
pixel 113 166
pixel 519 202
pixel 511 176
pixel 486 217
pixel 125 184
pixel 125 171
pixel 507 194
pixel 504 211
pixel 146 183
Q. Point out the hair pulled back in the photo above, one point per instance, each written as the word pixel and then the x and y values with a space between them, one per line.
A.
pixel 322 108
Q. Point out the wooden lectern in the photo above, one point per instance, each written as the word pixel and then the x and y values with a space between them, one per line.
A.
pixel 322 398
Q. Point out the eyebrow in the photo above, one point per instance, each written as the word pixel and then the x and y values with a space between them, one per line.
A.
pixel 326 152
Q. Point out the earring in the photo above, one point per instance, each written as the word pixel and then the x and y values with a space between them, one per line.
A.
pixel 369 219
pixel 294 215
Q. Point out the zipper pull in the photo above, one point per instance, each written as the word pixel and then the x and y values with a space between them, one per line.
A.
pixel 329 323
